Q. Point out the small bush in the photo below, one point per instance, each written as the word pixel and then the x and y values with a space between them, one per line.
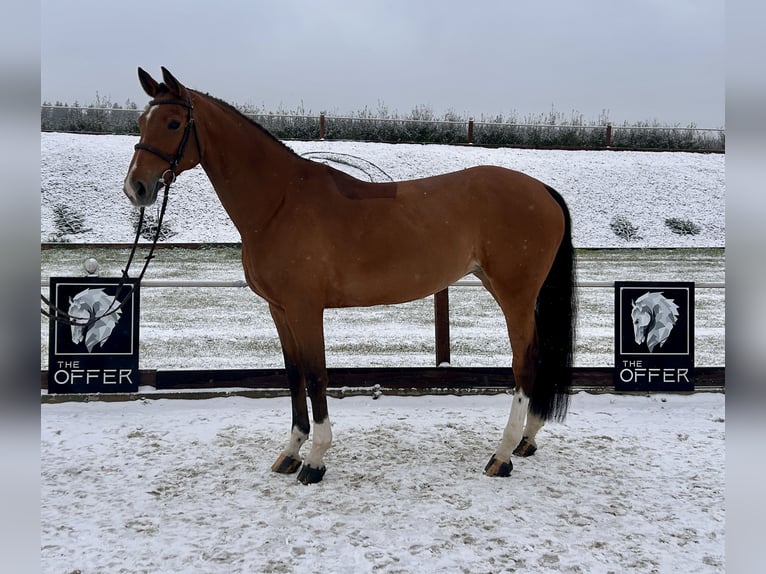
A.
pixel 150 226
pixel 682 226
pixel 623 228
pixel 67 220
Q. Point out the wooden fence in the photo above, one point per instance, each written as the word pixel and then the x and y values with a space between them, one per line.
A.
pixel 347 381
pixel 407 130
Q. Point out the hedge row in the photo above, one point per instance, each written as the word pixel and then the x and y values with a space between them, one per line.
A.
pixel 420 126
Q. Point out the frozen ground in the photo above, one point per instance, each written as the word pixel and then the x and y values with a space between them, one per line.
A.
pixel 627 484
pixel 86 172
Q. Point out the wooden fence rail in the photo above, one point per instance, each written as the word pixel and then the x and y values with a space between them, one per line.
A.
pixel 441 302
pixel 201 384
pixel 442 378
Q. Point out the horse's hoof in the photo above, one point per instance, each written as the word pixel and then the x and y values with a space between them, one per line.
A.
pixel 525 448
pixel 498 467
pixel 286 464
pixel 311 475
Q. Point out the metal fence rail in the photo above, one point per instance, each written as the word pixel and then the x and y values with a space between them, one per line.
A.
pixel 441 305
pixel 457 131
pixel 241 283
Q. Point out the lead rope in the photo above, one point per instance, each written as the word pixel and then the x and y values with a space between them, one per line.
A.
pixel 57 314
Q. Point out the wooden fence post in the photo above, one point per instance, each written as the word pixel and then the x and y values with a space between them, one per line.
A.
pixel 322 130
pixel 441 322
pixel 470 130
pixel 608 135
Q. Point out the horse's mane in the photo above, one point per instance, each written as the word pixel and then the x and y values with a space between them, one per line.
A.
pixel 230 108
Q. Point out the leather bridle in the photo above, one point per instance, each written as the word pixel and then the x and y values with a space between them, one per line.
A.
pixel 188 129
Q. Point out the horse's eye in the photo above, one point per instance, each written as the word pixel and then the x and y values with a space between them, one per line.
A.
pixel 174 124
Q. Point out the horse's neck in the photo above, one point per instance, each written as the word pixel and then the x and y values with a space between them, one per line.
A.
pixel 247 167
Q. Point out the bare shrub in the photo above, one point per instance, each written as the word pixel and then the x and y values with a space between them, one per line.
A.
pixel 682 226
pixel 622 227
pixel 150 226
pixel 67 220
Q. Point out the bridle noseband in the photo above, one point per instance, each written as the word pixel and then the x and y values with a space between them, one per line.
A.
pixel 190 126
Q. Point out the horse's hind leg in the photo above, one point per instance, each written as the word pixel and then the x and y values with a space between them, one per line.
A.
pixel 520 319
pixel 528 445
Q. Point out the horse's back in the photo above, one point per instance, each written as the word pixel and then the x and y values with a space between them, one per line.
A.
pixel 426 233
pixel 494 203
pixel 488 190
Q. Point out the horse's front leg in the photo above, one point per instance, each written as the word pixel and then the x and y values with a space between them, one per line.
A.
pixel 313 467
pixel 302 335
pixel 289 460
pixel 310 336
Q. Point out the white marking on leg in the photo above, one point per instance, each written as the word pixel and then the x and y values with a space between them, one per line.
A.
pixel 297 438
pixel 320 442
pixel 514 427
pixel 534 424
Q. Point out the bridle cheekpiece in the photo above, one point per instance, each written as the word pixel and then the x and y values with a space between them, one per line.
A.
pixel 190 126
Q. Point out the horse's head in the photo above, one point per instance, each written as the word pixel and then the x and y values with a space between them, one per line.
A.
pixel 164 150
pixel 642 318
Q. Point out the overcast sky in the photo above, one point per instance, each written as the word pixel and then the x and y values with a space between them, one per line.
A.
pixel 642 60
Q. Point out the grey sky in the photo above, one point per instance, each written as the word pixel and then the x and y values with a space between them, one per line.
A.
pixel 638 60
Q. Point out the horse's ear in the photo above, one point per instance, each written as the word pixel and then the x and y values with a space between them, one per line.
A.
pixel 147 83
pixel 171 82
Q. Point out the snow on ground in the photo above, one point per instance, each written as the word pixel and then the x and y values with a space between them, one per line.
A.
pixel 86 173
pixel 627 484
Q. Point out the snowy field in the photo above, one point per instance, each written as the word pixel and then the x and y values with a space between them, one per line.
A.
pixel 626 484
pixel 86 173
pixel 182 328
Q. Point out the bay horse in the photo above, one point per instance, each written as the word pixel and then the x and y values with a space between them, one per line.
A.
pixel 314 238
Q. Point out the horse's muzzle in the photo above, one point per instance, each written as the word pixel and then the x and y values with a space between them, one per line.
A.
pixel 141 194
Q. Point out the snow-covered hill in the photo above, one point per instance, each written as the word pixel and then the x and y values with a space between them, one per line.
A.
pixel 85 173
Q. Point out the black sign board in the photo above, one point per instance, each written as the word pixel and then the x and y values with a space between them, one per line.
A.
pixel 654 336
pixel 95 350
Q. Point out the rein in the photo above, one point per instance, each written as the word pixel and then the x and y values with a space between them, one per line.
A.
pixel 56 313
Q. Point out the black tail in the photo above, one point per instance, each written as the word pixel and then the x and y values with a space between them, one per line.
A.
pixel 555 316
